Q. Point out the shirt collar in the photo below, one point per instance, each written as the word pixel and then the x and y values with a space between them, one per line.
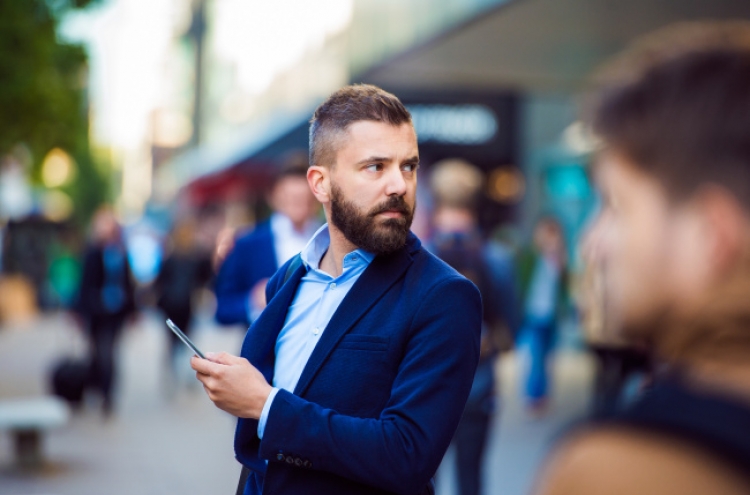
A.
pixel 282 225
pixel 318 245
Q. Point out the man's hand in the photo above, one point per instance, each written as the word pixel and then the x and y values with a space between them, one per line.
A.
pixel 232 383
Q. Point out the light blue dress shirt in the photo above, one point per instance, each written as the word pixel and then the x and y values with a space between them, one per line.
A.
pixel 318 297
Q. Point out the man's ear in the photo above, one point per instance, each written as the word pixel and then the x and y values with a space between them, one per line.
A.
pixel 319 180
pixel 727 225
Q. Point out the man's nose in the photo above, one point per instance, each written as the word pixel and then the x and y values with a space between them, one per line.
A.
pixel 396 184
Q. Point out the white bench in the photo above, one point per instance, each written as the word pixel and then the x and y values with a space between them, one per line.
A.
pixel 27 419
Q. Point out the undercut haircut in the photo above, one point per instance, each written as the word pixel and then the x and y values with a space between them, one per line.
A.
pixel 677 104
pixel 348 105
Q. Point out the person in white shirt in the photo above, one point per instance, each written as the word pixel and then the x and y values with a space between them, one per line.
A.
pixel 241 281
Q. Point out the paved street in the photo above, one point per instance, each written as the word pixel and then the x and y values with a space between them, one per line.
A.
pixel 166 439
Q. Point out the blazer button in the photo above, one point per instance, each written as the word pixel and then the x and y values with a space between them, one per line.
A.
pixel 279 456
pixel 307 464
pixel 298 462
pixel 289 460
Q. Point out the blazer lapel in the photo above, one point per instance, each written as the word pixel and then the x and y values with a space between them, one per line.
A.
pixel 382 273
pixel 259 346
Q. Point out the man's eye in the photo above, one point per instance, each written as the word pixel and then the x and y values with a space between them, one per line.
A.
pixel 375 167
pixel 410 167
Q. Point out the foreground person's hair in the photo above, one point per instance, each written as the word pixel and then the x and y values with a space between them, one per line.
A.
pixel 677 104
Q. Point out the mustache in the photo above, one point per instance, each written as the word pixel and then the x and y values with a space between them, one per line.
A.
pixel 394 203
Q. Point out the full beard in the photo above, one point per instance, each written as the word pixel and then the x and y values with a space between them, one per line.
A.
pixel 364 230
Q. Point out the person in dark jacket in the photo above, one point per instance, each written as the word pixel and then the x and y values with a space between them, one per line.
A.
pixel 457 240
pixel 672 116
pixel 105 300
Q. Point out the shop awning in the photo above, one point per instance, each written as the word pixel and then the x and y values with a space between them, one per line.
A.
pixel 539 45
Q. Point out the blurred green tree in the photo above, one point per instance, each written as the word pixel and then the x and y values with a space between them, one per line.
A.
pixel 43 95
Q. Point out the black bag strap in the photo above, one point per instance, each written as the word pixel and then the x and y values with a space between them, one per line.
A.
pixel 293 266
pixel 244 475
pixel 296 263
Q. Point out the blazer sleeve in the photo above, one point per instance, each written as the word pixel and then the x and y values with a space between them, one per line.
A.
pixel 401 450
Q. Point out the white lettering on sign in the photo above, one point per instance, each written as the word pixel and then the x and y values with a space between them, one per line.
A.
pixel 454 124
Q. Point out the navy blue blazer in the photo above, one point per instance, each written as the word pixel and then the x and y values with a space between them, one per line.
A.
pixel 382 393
pixel 252 259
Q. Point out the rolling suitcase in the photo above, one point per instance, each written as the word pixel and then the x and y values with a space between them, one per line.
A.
pixel 69 379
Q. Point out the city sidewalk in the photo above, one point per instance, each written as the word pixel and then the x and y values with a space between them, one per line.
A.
pixel 162 440
pixel 166 439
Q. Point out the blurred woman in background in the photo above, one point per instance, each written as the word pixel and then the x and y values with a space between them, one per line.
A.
pixel 183 271
pixel 542 271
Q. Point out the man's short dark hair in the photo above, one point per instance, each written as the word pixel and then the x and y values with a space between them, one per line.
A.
pixel 348 105
pixel 678 106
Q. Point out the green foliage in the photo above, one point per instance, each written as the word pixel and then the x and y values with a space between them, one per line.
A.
pixel 43 99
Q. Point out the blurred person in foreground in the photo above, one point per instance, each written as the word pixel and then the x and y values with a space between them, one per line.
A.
pixel 241 282
pixel 182 273
pixel 543 278
pixel 458 241
pixel 354 378
pixel 105 300
pixel 673 115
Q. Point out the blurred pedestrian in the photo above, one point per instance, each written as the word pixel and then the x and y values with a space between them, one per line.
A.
pixel 673 117
pixel 542 269
pixel 184 270
pixel 105 300
pixel 457 240
pixel 241 281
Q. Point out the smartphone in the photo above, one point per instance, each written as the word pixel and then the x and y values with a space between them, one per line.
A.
pixel 184 338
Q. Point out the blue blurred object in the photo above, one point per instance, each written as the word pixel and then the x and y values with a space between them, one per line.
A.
pixel 567 182
pixel 144 254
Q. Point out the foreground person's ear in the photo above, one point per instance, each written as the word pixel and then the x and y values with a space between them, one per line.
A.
pixel 725 228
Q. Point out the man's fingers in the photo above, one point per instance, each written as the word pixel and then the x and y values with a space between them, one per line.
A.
pixel 203 366
pixel 224 358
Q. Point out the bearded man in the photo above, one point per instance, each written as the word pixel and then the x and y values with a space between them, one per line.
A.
pixel 354 377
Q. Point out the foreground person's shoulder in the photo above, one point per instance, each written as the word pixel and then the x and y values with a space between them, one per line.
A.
pixel 626 461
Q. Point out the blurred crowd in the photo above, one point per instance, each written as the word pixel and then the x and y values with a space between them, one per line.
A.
pixel 110 274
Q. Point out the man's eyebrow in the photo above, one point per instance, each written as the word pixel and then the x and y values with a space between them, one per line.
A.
pixel 372 159
pixel 377 159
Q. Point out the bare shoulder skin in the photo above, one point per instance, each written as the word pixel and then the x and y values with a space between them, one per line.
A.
pixel 623 462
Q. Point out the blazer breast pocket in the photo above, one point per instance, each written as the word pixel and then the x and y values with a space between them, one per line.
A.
pixel 363 343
